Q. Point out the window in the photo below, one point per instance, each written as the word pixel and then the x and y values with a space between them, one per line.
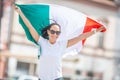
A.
pixel 22 68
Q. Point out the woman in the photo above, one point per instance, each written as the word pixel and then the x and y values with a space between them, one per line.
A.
pixel 50 67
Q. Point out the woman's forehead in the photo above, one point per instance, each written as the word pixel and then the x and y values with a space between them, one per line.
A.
pixel 55 27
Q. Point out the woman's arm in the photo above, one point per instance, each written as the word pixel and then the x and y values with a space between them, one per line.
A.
pixel 83 36
pixel 33 32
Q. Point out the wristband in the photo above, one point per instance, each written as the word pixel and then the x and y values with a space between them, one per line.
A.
pixel 94 31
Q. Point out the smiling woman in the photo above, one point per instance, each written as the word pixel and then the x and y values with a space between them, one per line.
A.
pixel 55 37
pixel 53 28
pixel 53 33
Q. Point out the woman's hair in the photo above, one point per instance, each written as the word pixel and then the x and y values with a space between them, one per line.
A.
pixel 44 30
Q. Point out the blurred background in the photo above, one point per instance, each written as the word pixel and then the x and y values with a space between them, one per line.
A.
pixel 99 59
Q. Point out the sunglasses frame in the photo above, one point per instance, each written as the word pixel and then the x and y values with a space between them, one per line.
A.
pixel 53 32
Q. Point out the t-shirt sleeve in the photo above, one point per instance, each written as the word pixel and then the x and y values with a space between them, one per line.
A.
pixel 40 40
pixel 64 45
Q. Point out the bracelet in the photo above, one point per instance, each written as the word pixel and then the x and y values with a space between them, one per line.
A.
pixel 94 31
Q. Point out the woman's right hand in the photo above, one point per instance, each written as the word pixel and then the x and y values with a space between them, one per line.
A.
pixel 17 9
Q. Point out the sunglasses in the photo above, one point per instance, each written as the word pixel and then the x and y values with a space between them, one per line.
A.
pixel 53 32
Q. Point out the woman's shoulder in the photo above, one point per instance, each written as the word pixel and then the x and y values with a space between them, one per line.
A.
pixel 41 40
pixel 61 42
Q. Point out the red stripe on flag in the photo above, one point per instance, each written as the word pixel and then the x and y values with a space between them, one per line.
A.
pixel 89 25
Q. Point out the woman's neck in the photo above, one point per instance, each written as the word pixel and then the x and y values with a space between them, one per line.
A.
pixel 52 42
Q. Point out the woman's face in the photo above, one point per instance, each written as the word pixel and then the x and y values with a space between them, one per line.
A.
pixel 53 32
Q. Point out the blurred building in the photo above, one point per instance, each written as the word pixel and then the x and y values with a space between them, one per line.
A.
pixel 98 60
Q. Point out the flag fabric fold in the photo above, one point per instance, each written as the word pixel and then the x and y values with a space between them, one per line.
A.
pixel 72 22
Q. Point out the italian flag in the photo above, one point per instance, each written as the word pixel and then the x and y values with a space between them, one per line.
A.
pixel 72 22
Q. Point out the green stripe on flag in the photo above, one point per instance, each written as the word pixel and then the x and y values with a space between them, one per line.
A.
pixel 38 15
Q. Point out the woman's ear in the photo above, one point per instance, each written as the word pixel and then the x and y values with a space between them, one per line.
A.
pixel 48 32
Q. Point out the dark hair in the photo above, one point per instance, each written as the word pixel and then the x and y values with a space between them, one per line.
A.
pixel 44 30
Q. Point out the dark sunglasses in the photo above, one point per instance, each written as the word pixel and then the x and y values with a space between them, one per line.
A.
pixel 53 32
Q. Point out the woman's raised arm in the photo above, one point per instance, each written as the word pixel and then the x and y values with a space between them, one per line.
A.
pixel 83 36
pixel 33 32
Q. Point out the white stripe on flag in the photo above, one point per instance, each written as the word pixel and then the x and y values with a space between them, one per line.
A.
pixel 72 23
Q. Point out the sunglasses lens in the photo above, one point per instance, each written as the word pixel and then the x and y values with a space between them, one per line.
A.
pixel 52 31
pixel 58 32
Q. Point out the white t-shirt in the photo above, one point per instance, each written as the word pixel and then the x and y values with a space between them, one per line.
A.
pixel 50 62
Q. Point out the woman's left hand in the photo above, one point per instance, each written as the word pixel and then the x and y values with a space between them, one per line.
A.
pixel 100 29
